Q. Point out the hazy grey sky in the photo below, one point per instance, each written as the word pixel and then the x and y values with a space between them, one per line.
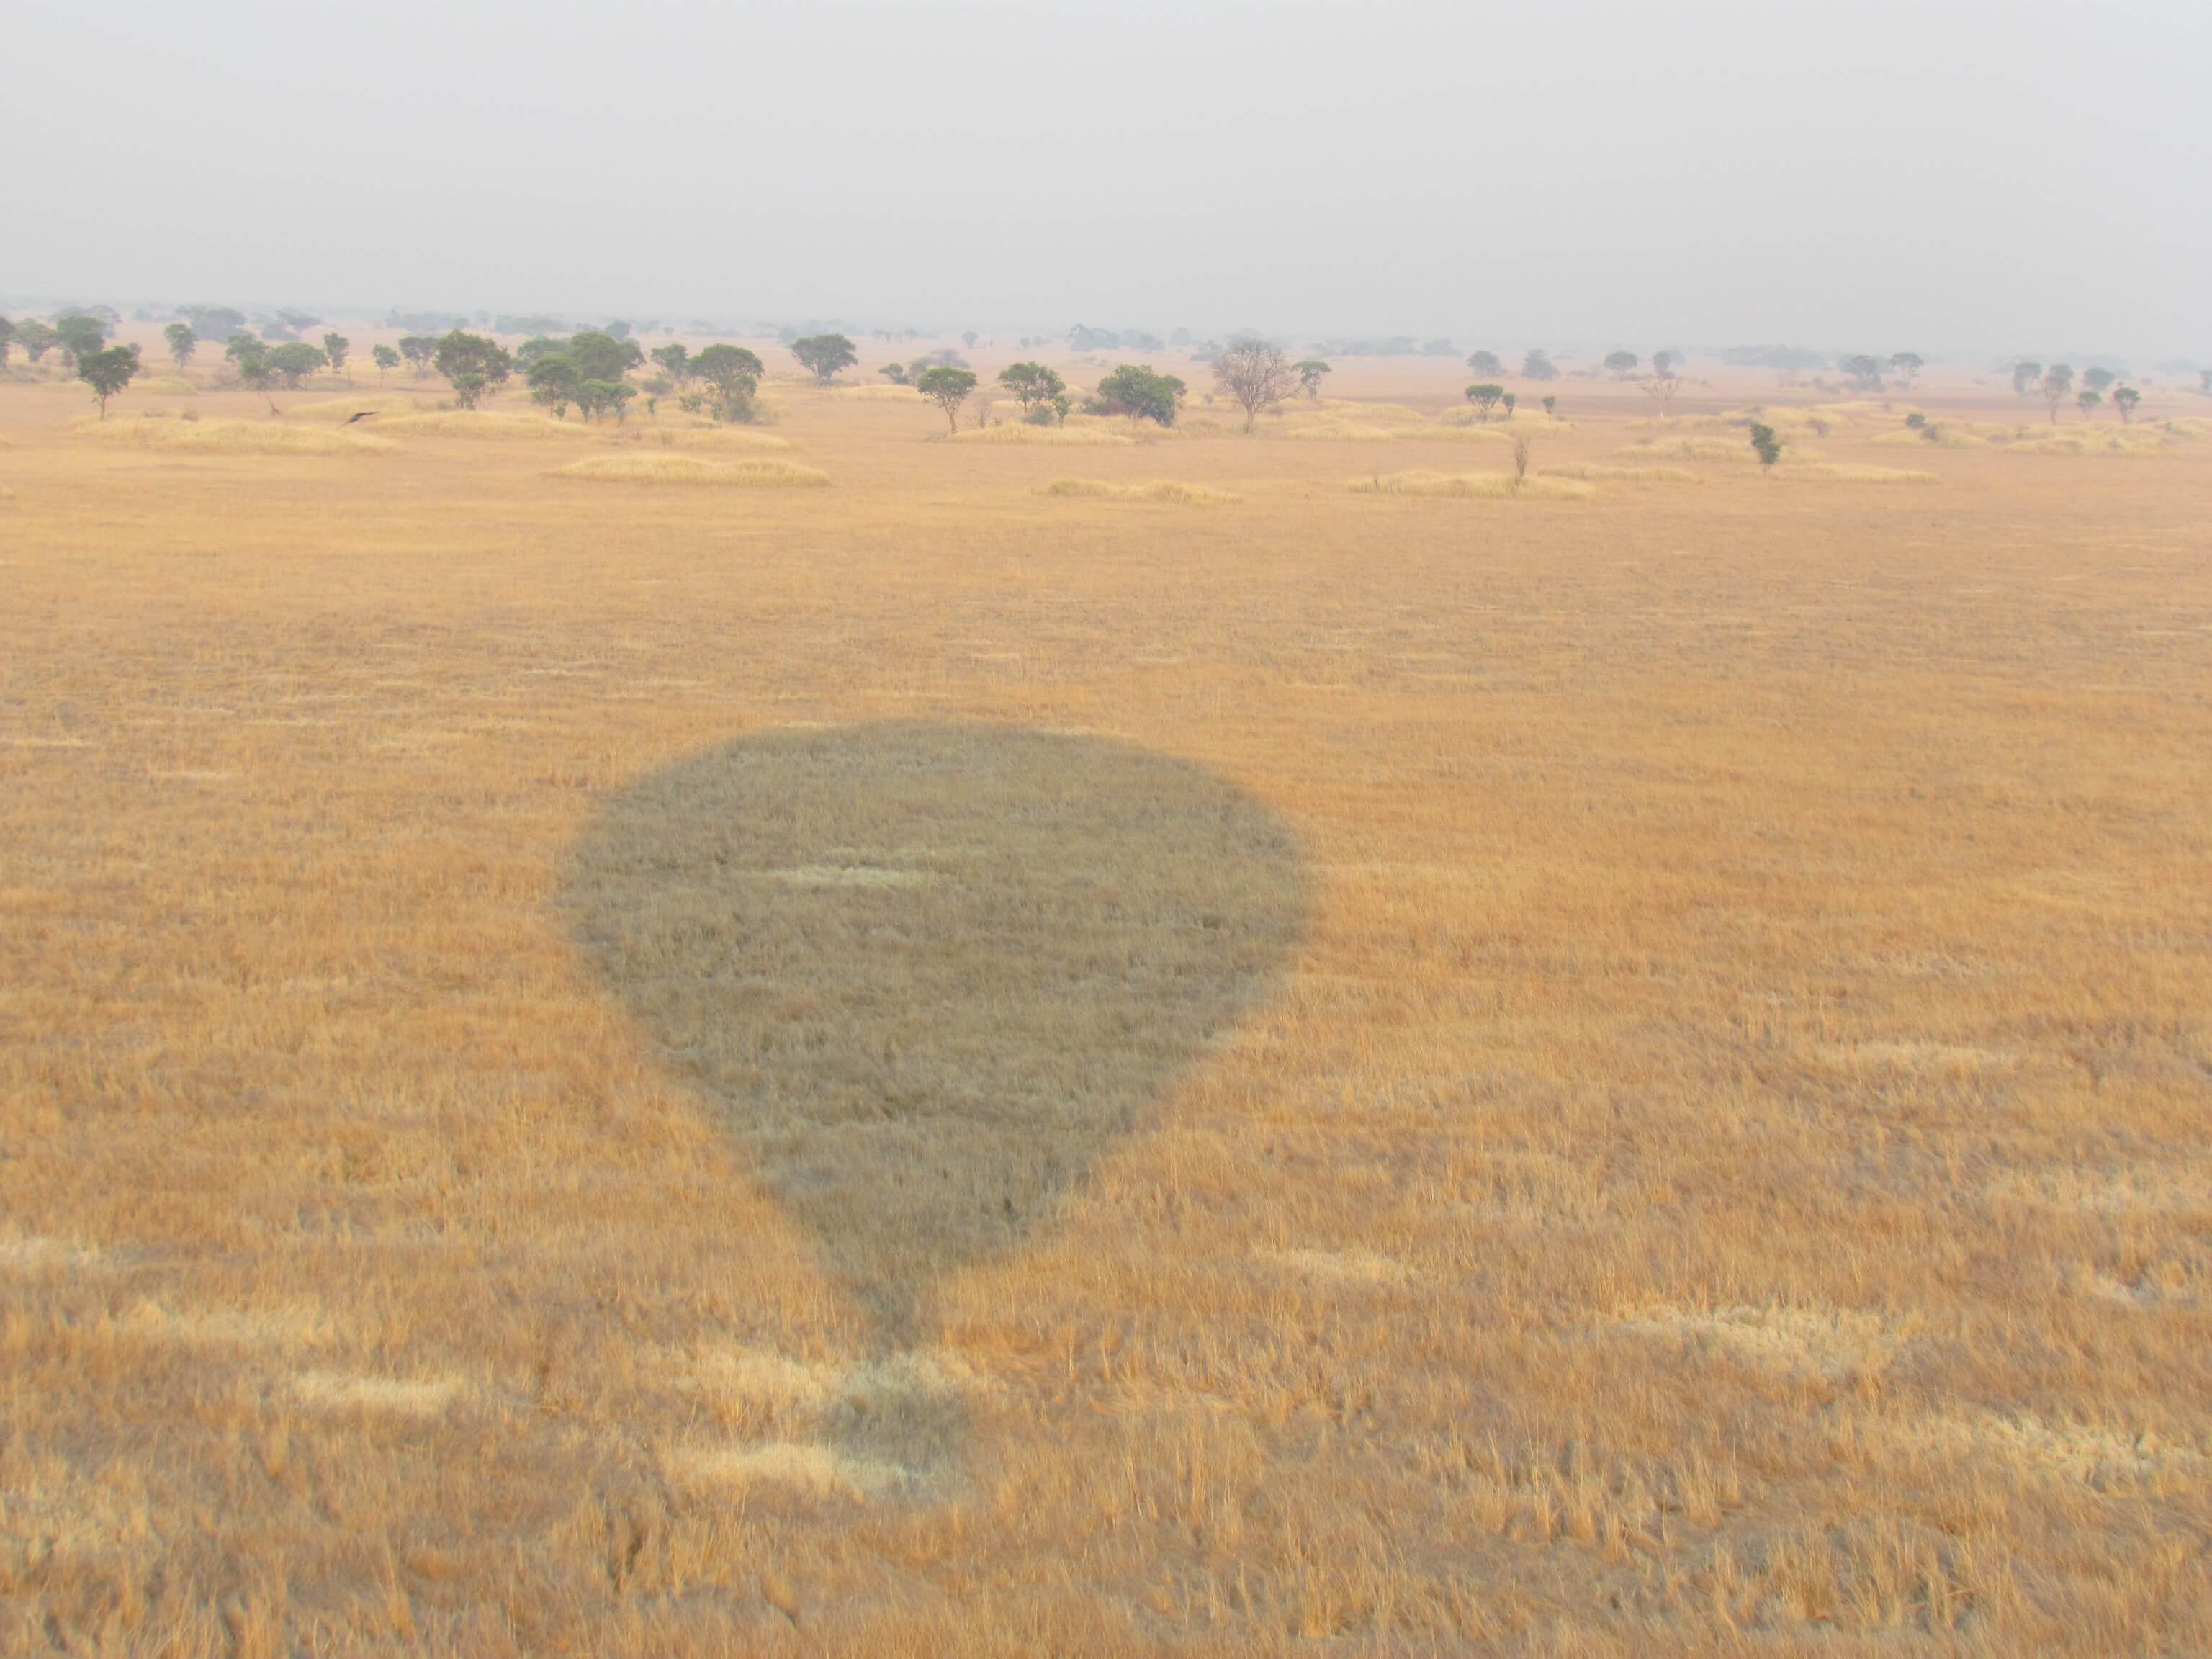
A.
pixel 1940 175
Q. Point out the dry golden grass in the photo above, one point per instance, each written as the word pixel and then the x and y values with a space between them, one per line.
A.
pixel 657 467
pixel 228 437
pixel 928 1068
pixel 479 423
pixel 1791 468
pixel 1597 470
pixel 1486 486
pixel 1158 489
pixel 1096 434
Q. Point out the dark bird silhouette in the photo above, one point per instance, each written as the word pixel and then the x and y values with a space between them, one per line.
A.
pixel 363 416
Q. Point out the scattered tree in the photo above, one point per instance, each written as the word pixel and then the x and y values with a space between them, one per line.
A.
pixel 1486 362
pixel 823 354
pixel 1034 386
pixel 1255 374
pixel 675 359
pixel 598 397
pixel 107 372
pixel 476 365
pixel 2098 379
pixel 1551 408
pixel 1661 389
pixel 1537 365
pixel 2124 399
pixel 600 355
pixel 2204 381
pixel 37 338
pixel 335 347
pixel 1662 363
pixel 895 373
pixel 2088 400
pixel 1509 400
pixel 385 360
pixel 1141 394
pixel 1309 373
pixel 7 339
pixel 1906 365
pixel 948 388
pixel 553 383
pixel 1060 405
pixel 1766 444
pixel 1485 396
pixel 77 334
pixel 294 360
pixel 1522 446
pixel 734 373
pixel 2026 377
pixel 1621 364
pixel 1865 371
pixel 2058 387
pixel 968 339
pixel 419 349
pixel 182 343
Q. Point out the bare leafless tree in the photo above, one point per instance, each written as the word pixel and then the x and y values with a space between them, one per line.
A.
pixel 1522 446
pixel 1255 374
pixel 1661 389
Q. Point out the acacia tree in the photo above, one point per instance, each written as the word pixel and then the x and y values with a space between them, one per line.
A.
pixel 553 383
pixel 1865 371
pixel 78 335
pixel 1551 408
pixel 1661 389
pixel 675 359
pixel 1484 395
pixel 2124 399
pixel 107 372
pixel 182 343
pixel 1766 444
pixel 823 354
pixel 2058 387
pixel 735 374
pixel 37 338
pixel 2098 379
pixel 946 387
pixel 1034 386
pixel 1140 393
pixel 1256 374
pixel 1309 373
pixel 385 358
pixel 1621 364
pixel 335 347
pixel 7 339
pixel 1537 365
pixel 1485 362
pixel 1906 365
pixel 476 365
pixel 2088 400
pixel 2026 377
pixel 419 349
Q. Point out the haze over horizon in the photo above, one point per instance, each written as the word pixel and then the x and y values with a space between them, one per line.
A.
pixel 1957 179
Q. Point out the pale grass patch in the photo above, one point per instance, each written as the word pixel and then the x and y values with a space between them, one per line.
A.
pixel 1941 435
pixel 298 1324
pixel 1020 432
pixel 164 386
pixel 850 875
pixel 2182 1189
pixel 377 404
pixel 1691 449
pixel 1830 472
pixel 2126 441
pixel 1477 486
pixel 480 423
pixel 885 393
pixel 815 1470
pixel 1352 409
pixel 1159 489
pixel 31 1253
pixel 1917 1056
pixel 1533 423
pixel 713 437
pixel 1341 1266
pixel 1593 471
pixel 1833 1344
pixel 230 437
pixel 2100 1456
pixel 388 1395
pixel 668 469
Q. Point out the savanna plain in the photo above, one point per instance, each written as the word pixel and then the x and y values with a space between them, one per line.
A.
pixel 832 1039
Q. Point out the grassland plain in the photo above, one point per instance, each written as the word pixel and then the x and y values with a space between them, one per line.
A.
pixel 1719 1162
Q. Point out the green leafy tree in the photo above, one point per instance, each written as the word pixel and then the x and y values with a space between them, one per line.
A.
pixel 385 358
pixel 476 365
pixel 420 350
pixel 946 387
pixel 598 397
pixel 1763 440
pixel 734 374
pixel 1034 386
pixel 1621 364
pixel 968 339
pixel 1486 362
pixel 37 338
pixel 293 361
pixel 2026 377
pixel 675 361
pixel 2057 385
pixel 2124 399
pixel 538 346
pixel 77 334
pixel 1509 400
pixel 335 347
pixel 1140 393
pixel 1059 406
pixel 1906 365
pixel 1310 372
pixel 182 343
pixel 895 373
pixel 2098 379
pixel 553 383
pixel 1551 407
pixel 1865 371
pixel 7 340
pixel 2088 400
pixel 1536 365
pixel 1486 395
pixel 107 372
pixel 598 355
pixel 823 354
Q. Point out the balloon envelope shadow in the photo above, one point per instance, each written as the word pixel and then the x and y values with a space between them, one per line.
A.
pixel 927 973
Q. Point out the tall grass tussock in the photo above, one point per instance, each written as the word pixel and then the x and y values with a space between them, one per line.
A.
pixel 1480 486
pixel 1159 489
